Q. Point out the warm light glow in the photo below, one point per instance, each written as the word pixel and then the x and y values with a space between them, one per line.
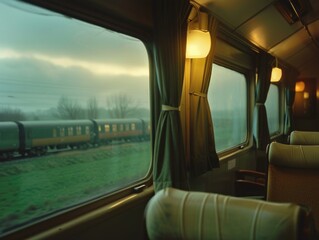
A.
pixel 300 86
pixel 198 44
pixel 305 95
pixel 276 74
pixel 97 68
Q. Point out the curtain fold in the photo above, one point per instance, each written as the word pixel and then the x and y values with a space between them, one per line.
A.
pixel 260 126
pixel 168 56
pixel 203 156
pixel 289 123
pixel 290 98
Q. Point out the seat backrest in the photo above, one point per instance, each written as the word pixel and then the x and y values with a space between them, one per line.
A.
pixel 293 175
pixel 176 214
pixel 304 138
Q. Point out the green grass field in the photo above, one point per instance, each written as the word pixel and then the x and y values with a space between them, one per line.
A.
pixel 37 186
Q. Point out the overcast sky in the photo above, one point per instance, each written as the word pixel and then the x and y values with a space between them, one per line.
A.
pixel 44 55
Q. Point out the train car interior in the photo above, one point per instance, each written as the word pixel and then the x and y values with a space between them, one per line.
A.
pixel 153 119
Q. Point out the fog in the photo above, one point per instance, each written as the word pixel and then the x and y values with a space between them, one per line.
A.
pixel 45 55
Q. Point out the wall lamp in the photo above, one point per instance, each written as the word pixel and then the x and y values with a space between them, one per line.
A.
pixel 198 36
pixel 276 73
pixel 300 86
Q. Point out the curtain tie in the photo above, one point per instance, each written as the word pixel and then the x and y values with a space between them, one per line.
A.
pixel 169 108
pixel 199 94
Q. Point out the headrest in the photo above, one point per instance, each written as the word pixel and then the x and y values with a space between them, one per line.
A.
pixel 176 214
pixel 304 138
pixel 294 156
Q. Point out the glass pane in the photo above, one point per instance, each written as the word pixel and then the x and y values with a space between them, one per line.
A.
pixel 227 97
pixel 272 108
pixel 63 83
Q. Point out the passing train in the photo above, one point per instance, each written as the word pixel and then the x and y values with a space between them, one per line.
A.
pixel 224 84
pixel 37 137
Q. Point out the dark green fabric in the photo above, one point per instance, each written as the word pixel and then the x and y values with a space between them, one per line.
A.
pixel 169 61
pixel 203 156
pixel 290 98
pixel 260 127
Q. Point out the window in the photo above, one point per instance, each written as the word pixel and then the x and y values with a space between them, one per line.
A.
pixel 114 128
pixel 107 128
pixel 78 130
pixel 62 132
pixel 272 107
pixel 63 73
pixel 70 131
pixel 227 96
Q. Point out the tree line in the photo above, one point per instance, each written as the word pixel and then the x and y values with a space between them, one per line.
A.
pixel 117 106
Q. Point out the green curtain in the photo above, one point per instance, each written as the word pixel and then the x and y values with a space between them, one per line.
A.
pixel 290 98
pixel 260 127
pixel 168 55
pixel 203 156
pixel 289 123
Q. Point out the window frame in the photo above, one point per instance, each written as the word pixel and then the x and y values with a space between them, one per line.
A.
pixel 250 78
pixel 78 210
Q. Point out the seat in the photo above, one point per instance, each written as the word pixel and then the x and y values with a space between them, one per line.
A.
pixel 304 138
pixel 177 214
pixel 293 175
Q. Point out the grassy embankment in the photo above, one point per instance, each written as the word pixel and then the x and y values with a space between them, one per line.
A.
pixel 34 187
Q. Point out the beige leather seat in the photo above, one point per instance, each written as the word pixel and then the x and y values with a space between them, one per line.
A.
pixel 304 138
pixel 293 175
pixel 176 214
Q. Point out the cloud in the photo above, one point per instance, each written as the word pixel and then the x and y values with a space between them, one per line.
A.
pixel 67 62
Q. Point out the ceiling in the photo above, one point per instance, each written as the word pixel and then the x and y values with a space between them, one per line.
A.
pixel 260 22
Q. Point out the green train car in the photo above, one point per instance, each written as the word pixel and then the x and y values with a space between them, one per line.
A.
pixel 37 136
pixel 9 135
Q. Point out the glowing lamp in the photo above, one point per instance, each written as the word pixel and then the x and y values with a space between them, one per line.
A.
pixel 300 86
pixel 198 44
pixel 276 74
pixel 305 95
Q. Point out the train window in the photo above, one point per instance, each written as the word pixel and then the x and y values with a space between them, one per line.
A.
pixel 70 131
pixel 114 128
pixel 227 96
pixel 133 127
pixel 61 73
pixel 272 107
pixel 62 132
pixel 87 130
pixel 121 127
pixel 78 130
pixel 127 127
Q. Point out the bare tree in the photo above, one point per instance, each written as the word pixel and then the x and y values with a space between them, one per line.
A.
pixel 92 108
pixel 121 106
pixel 68 109
pixel 10 114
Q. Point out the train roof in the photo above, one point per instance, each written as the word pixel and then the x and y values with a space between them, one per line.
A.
pixel 124 120
pixel 56 123
pixel 8 125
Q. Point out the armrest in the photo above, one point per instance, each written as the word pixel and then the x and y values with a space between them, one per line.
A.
pixel 242 173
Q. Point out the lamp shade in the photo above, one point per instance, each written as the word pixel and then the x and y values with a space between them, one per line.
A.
pixel 276 74
pixel 300 86
pixel 198 44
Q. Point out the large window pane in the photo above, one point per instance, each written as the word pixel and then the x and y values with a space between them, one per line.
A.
pixel 74 113
pixel 272 108
pixel 227 97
